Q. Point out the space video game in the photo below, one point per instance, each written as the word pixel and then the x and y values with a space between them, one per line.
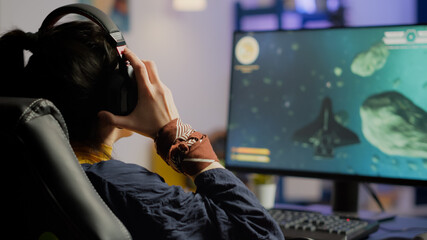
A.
pixel 339 101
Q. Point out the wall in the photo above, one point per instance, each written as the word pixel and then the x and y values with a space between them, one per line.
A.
pixel 192 52
pixel 191 49
pixel 26 14
pixel 380 12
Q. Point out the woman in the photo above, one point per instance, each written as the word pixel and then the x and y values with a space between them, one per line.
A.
pixel 67 66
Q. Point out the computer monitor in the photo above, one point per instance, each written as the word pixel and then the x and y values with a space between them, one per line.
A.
pixel 348 104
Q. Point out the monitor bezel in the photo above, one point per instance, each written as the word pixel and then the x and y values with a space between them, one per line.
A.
pixel 311 174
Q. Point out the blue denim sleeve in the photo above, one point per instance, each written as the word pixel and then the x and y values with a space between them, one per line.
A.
pixel 237 212
pixel 221 208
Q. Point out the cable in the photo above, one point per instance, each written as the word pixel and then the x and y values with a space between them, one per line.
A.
pixel 374 196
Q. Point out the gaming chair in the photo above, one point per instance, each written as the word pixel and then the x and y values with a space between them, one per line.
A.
pixel 47 192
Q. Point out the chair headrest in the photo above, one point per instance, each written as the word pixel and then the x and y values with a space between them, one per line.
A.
pixel 21 110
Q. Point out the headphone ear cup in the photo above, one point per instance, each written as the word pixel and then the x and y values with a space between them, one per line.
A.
pixel 121 92
pixel 131 90
pixel 113 97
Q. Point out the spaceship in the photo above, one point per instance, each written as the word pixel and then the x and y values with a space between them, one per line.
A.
pixel 324 134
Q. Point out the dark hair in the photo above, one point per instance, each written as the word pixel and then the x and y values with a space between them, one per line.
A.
pixel 67 66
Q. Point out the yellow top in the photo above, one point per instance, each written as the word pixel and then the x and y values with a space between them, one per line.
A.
pixel 86 155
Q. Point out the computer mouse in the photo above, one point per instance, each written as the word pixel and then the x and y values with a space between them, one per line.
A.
pixel 421 236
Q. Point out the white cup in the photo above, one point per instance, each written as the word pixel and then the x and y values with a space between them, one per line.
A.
pixel 266 194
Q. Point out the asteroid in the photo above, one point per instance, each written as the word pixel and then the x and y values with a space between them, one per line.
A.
pixel 367 63
pixel 338 71
pixel 395 125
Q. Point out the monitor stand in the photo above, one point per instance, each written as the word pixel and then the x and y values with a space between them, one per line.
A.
pixel 345 196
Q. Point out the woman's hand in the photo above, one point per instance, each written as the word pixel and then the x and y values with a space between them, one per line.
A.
pixel 155 107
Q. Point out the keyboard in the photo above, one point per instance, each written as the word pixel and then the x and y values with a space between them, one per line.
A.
pixel 317 226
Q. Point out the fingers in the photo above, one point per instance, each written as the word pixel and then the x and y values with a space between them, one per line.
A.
pixel 139 67
pixel 147 67
pixel 152 72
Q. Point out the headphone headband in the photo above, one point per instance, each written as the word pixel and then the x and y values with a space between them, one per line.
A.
pixel 91 12
pixel 120 88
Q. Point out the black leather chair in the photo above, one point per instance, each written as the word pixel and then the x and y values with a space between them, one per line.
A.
pixel 47 193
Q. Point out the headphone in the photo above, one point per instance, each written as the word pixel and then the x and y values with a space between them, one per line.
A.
pixel 121 90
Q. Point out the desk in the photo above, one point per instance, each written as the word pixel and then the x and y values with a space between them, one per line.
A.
pixel 411 226
pixel 409 223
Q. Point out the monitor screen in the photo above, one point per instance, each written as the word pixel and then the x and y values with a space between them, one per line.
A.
pixel 346 102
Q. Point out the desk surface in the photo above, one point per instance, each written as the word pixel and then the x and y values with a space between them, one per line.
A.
pixel 400 226
pixel 407 227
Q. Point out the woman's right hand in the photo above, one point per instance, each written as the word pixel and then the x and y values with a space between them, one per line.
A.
pixel 155 107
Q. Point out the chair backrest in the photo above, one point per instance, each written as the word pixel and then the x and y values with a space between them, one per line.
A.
pixel 47 193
